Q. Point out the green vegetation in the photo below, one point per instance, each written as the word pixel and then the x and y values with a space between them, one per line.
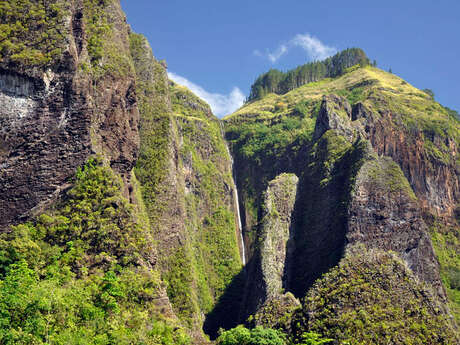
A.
pixel 212 253
pixel 354 95
pixel 386 175
pixel 258 136
pixel 106 52
pixel 198 269
pixel 312 338
pixel 261 147
pixel 153 170
pixel 446 242
pixel 80 274
pixel 270 139
pixel 98 28
pixel 430 93
pixel 32 32
pixel 412 110
pixel 256 336
pixel 266 336
pixel 373 298
pixel 278 82
pixel 152 165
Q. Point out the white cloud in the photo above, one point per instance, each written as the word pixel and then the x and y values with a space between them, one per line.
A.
pixel 315 49
pixel 220 104
pixel 274 56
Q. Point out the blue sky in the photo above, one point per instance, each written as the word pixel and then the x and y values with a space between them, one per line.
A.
pixel 218 48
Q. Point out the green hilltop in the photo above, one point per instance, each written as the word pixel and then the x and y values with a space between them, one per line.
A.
pixel 275 81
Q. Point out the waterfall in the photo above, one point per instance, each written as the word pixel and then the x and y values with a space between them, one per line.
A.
pixel 240 227
pixel 237 202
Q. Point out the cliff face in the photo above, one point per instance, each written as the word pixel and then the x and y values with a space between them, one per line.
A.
pixel 383 211
pixel 356 142
pixel 428 156
pixel 55 114
pixel 384 214
pixel 393 307
pixel 98 91
pixel 185 172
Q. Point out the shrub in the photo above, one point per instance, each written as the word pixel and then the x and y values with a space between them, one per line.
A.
pixel 257 336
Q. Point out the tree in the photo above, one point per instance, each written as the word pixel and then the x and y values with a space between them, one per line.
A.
pixel 429 92
pixel 258 336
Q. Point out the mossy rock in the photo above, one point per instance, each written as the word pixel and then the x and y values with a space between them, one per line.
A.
pixel 372 297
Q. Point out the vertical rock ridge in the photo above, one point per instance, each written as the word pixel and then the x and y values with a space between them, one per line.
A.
pixel 268 270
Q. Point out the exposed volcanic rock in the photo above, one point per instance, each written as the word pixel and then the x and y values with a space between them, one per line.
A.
pixel 337 178
pixel 435 181
pixel 185 171
pixel 384 213
pixel 52 119
pixel 376 158
pixel 335 113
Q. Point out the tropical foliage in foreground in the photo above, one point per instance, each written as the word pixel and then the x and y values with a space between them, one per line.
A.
pixel 80 275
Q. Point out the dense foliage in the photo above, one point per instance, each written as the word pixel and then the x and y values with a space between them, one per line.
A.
pixel 81 274
pixel 151 89
pixel 446 242
pixel 211 258
pixel 256 336
pixel 393 307
pixel 106 45
pixel 279 82
pixel 32 32
pixel 241 335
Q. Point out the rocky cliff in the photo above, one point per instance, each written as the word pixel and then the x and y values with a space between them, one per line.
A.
pixel 185 173
pixel 355 142
pixel 124 174
pixel 269 269
pixel 63 103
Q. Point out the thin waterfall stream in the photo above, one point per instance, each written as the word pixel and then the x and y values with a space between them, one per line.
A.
pixel 237 201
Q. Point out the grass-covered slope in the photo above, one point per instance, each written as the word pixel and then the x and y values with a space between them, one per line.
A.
pixel 279 82
pixel 376 88
pixel 278 126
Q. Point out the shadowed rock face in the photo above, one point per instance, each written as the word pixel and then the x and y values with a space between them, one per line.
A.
pixel 52 120
pixel 335 113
